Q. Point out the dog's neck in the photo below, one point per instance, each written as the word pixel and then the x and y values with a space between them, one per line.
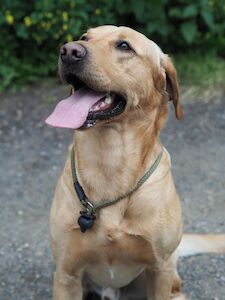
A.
pixel 108 158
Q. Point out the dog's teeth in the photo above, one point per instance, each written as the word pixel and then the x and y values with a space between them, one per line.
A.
pixel 97 107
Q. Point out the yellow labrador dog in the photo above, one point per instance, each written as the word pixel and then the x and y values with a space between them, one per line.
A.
pixel 116 217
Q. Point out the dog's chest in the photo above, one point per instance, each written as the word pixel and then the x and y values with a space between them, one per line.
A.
pixel 119 257
pixel 114 275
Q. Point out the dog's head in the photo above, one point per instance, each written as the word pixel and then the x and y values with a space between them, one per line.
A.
pixel 121 71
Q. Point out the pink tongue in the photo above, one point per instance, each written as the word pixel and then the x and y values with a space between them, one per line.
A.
pixel 72 112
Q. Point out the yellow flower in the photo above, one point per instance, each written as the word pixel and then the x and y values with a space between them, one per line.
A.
pixel 9 19
pixel 65 27
pixel 27 21
pixel 69 38
pixel 65 16
pixel 98 11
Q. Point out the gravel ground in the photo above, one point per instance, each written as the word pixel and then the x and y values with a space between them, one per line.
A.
pixel 32 156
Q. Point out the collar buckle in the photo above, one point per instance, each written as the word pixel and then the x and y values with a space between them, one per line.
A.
pixel 90 209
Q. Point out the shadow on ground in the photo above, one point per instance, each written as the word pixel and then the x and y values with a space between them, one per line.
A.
pixel 32 155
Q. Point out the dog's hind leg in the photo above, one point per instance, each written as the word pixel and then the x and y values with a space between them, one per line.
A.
pixel 176 289
pixel 168 284
pixel 160 283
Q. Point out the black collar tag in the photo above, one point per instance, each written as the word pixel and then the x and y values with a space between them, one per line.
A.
pixel 86 220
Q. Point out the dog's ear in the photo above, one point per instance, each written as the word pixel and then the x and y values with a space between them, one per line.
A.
pixel 172 87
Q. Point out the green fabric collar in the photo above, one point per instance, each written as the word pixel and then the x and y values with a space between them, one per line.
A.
pixel 86 220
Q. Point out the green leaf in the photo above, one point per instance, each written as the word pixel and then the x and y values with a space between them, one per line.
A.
pixel 163 30
pixel 208 18
pixel 22 31
pixel 204 3
pixel 152 27
pixel 190 11
pixel 175 12
pixel 138 9
pixel 188 31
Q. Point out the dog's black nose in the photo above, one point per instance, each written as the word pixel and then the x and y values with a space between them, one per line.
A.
pixel 72 52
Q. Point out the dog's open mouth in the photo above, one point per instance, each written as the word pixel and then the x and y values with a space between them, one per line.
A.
pixel 85 107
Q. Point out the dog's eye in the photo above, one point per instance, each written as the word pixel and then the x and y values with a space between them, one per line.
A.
pixel 84 38
pixel 123 45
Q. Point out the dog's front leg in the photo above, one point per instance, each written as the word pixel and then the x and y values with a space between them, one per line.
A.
pixel 160 282
pixel 67 287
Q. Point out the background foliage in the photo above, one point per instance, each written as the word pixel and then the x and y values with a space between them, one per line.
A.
pixel 32 31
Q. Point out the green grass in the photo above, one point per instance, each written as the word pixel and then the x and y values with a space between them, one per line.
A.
pixel 203 71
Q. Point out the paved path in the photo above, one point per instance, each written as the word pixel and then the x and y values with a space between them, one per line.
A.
pixel 31 158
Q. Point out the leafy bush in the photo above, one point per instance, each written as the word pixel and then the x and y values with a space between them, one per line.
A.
pixel 32 31
pixel 179 24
